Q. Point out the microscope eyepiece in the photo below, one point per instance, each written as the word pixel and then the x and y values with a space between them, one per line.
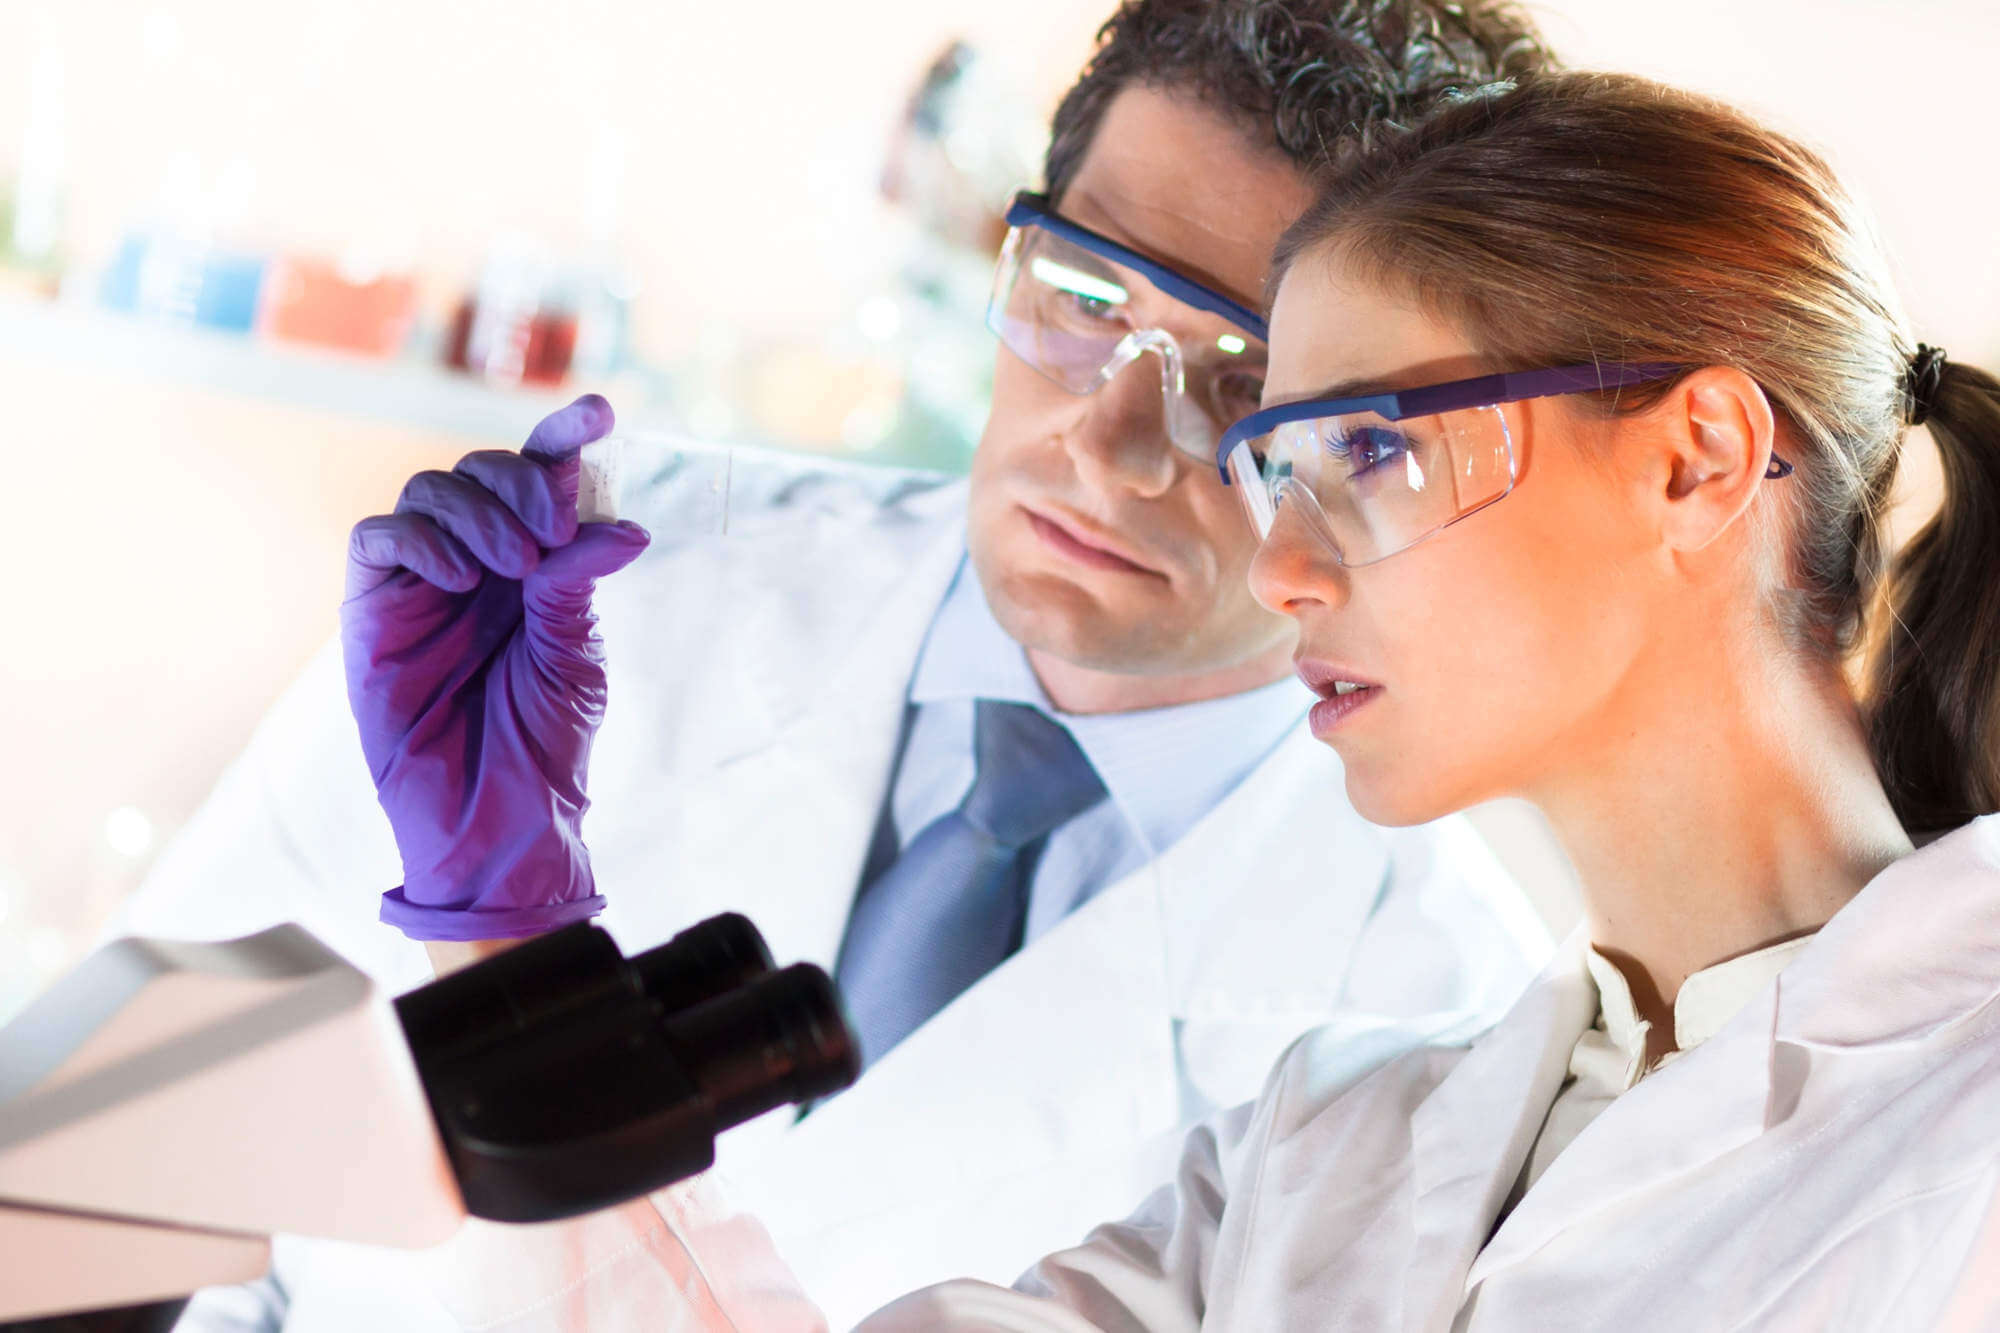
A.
pixel 703 961
pixel 565 1077
pixel 782 1038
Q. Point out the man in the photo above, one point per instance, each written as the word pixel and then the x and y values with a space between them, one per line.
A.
pixel 807 709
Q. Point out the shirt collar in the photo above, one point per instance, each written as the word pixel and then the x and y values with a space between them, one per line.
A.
pixel 1165 767
pixel 1706 1002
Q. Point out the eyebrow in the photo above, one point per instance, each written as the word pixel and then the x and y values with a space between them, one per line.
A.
pixel 1354 388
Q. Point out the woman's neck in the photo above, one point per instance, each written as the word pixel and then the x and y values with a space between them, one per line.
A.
pixel 1711 824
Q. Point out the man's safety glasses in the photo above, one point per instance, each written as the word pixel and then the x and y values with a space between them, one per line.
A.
pixel 1376 474
pixel 1080 307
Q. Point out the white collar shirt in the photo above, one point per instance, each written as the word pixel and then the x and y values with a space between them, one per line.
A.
pixel 1164 768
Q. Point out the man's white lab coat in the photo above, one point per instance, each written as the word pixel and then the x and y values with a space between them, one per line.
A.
pixel 1829 1160
pixel 757 686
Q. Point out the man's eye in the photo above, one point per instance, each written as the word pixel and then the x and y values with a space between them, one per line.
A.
pixel 1075 291
pixel 1089 307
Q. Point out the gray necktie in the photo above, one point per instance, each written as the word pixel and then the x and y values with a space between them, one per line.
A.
pixel 951 908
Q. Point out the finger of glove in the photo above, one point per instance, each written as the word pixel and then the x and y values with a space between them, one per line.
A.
pixel 477 517
pixel 561 433
pixel 386 544
pixel 555 442
pixel 561 586
pixel 535 495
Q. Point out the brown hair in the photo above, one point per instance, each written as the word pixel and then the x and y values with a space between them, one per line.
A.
pixel 1581 217
pixel 1303 74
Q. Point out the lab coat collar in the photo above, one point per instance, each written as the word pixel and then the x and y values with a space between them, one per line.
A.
pixel 1713 1100
pixel 882 609
pixel 1255 831
pixel 800 806
pixel 1504 1085
pixel 1917 951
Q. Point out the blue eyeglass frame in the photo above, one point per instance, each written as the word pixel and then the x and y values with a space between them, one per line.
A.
pixel 1034 210
pixel 1457 395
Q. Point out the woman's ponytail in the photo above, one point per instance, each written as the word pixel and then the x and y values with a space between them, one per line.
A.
pixel 1933 691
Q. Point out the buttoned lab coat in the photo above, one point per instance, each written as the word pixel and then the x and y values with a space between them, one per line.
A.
pixel 757 686
pixel 1829 1160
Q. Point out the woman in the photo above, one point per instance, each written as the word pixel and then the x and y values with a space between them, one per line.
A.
pixel 1613 604
pixel 1762 1087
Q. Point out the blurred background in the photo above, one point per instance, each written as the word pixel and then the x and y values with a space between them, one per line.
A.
pixel 259 262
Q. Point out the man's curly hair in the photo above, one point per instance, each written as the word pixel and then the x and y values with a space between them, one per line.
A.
pixel 1304 75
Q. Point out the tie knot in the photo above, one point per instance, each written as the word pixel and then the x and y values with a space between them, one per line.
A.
pixel 1030 774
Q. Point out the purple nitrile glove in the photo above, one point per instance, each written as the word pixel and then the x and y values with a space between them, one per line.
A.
pixel 478 683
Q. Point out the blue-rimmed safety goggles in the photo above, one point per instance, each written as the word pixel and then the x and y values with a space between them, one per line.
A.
pixel 1373 474
pixel 1080 307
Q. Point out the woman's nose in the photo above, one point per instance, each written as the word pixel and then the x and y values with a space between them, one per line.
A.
pixel 1294 569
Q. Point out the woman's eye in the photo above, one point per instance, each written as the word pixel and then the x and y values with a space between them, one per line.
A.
pixel 1366 448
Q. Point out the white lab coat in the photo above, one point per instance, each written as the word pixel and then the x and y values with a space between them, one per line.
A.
pixel 757 685
pixel 1829 1160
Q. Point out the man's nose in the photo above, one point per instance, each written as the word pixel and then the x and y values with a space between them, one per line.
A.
pixel 1294 570
pixel 1119 440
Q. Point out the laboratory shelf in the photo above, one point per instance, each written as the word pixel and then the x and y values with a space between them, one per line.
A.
pixel 413 394
pixel 405 393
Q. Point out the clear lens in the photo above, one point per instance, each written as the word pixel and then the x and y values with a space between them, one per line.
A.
pixel 1371 487
pixel 1081 318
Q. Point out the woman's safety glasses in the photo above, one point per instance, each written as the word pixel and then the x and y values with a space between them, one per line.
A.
pixel 1079 308
pixel 1376 474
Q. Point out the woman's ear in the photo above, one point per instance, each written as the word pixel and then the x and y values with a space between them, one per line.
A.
pixel 1715 433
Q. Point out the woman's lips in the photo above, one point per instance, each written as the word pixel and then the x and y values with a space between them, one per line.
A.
pixel 1337 701
pixel 1328 714
pixel 1069 544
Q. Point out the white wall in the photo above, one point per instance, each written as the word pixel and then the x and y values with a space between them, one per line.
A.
pixel 149 615
pixel 751 133
pixel 1897 93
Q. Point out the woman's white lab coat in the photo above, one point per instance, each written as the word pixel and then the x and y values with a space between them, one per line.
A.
pixel 1829 1160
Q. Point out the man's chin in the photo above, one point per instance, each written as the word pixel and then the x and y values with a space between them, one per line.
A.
pixel 1064 619
pixel 1053 614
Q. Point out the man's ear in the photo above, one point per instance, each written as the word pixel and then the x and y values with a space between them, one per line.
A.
pixel 1714 434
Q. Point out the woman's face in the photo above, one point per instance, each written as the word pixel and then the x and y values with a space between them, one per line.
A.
pixel 1507 651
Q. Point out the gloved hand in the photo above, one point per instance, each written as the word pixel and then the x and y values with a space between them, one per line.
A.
pixel 478 683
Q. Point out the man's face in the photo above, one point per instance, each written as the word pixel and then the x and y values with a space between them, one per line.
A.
pixel 1096 540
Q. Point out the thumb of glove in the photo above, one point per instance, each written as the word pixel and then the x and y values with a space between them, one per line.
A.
pixel 556 593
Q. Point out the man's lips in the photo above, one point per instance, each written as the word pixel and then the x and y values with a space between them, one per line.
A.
pixel 1087 547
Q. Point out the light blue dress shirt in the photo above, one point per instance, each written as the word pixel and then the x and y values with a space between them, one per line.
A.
pixel 1164 767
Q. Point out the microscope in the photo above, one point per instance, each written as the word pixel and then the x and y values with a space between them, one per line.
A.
pixel 169 1105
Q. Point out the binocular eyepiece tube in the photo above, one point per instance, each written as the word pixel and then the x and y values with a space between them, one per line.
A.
pixel 565 1077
